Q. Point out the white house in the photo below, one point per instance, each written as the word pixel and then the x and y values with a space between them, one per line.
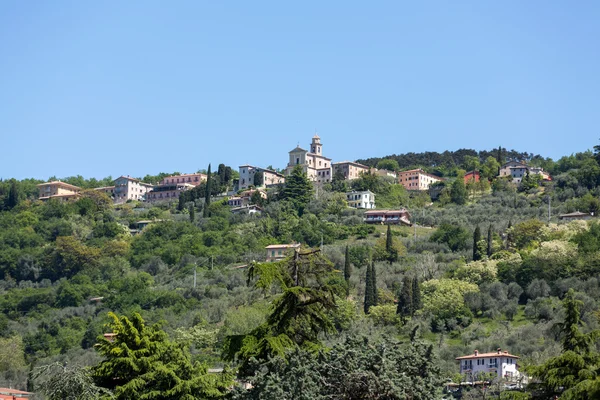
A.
pixel 364 199
pixel 501 363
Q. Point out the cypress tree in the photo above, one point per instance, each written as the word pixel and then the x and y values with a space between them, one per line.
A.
pixel 368 290
pixel 476 239
pixel 205 212
pixel 374 293
pixel 13 195
pixel 405 299
pixel 392 253
pixel 347 271
pixel 416 296
pixel 192 210
pixel 489 241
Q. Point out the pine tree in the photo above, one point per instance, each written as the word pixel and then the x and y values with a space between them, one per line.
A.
pixel 347 271
pixel 416 296
pixel 490 241
pixel 13 195
pixel 298 189
pixel 192 210
pixel 405 299
pixel 374 292
pixel 205 212
pixel 391 251
pixel 476 239
pixel 368 290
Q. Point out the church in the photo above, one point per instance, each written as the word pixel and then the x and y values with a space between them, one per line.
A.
pixel 316 166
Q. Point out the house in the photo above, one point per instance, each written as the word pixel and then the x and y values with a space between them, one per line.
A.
pixel 269 177
pixel 276 252
pixel 109 190
pixel 167 192
pixel 250 209
pixel 58 190
pixel 364 199
pixel 540 171
pixel 517 170
pixel 387 217
pixel 14 394
pixel 384 173
pixel 501 363
pixel 316 166
pixel 128 188
pixel 244 198
pixel 350 170
pixel 191 179
pixel 575 215
pixel 472 177
pixel 417 179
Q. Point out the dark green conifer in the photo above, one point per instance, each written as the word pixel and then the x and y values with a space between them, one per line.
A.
pixel 405 299
pixel 490 241
pixel 347 271
pixel 205 212
pixel 476 239
pixel 416 296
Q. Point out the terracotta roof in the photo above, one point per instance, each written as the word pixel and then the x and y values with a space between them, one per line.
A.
pixel 282 246
pixel 12 391
pixel 59 183
pixel 575 214
pixel 386 212
pixel 498 353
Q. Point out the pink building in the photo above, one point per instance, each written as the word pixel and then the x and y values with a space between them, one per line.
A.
pixel 192 179
pixel 417 179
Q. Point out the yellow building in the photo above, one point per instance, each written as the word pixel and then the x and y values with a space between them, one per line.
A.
pixel 58 190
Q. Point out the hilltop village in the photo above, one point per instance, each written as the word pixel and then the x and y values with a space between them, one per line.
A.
pixel 465 274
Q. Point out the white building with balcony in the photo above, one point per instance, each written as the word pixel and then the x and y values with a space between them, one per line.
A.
pixel 500 363
pixel 364 199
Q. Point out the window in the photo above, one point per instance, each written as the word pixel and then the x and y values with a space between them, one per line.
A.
pixel 297 160
pixel 272 253
pixel 279 252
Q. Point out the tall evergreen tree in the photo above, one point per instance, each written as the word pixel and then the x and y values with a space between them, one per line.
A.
pixel 476 239
pixel 368 290
pixel 490 241
pixel 391 251
pixel 416 296
pixel 405 299
pixel 192 210
pixel 347 270
pixel 298 189
pixel 374 292
pixel 13 195
pixel 205 212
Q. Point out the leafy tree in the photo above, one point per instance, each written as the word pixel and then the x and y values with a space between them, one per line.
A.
pixel 141 362
pixel 309 285
pixel 444 298
pixel 67 382
pixel 453 235
pixel 339 182
pixel 490 169
pixel 574 373
pixel 458 191
pixel 405 299
pixel 207 193
pixel 347 270
pixel 297 189
pixel 476 239
pixel 388 164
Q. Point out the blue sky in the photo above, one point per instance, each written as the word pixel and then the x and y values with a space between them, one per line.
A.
pixel 136 87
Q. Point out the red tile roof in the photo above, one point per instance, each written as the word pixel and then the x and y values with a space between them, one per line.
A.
pixel 487 355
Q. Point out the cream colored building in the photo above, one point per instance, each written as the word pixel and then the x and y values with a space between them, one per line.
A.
pixel 350 170
pixel 316 166
pixel 417 179
pixel 128 188
pixel 243 199
pixel 109 190
pixel 276 252
pixel 384 173
pixel 247 173
pixel 58 190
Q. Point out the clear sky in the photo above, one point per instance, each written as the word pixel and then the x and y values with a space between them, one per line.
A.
pixel 101 88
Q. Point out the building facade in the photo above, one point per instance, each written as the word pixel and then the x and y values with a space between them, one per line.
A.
pixel 350 170
pixel 109 190
pixel 167 192
pixel 384 173
pixel 501 363
pixel 417 179
pixel 58 190
pixel 391 217
pixel 516 170
pixel 472 177
pixel 364 199
pixel 269 177
pixel 128 188
pixel 244 199
pixel 316 166
pixel 277 252
pixel 192 179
